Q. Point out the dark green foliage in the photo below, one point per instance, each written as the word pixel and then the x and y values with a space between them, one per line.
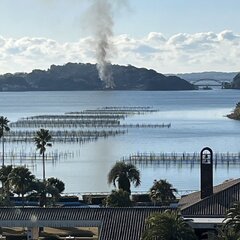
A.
pixel 168 226
pixel 13 82
pixel 230 230
pixel 42 141
pixel 56 183
pixel 162 192
pixel 124 174
pixel 21 180
pixel 4 178
pixel 232 221
pixel 42 188
pixel 3 125
pixel 3 128
pixel 73 76
pixel 236 81
pixel 226 234
pixel 236 113
pixel 118 198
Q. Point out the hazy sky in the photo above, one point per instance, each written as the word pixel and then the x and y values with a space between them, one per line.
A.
pixel 167 35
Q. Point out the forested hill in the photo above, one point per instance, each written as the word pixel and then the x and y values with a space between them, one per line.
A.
pixel 78 76
pixel 236 81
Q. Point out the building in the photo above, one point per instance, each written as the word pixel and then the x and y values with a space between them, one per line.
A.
pixel 112 223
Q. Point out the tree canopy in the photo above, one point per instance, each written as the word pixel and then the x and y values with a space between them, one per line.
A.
pixel 41 140
pixel 236 113
pixel 3 128
pixel 123 174
pixel 118 198
pixel 162 192
pixel 19 180
pixel 231 226
pixel 168 225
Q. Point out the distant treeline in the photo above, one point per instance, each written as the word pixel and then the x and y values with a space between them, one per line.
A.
pixel 79 76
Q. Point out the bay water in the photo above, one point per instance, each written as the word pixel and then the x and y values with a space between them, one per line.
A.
pixel 198 119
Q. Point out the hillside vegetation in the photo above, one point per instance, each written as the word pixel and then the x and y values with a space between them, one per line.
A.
pixel 79 76
pixel 236 113
pixel 236 81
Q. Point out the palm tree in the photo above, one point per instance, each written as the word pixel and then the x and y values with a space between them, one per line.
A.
pixel 21 180
pixel 52 186
pixel 162 192
pixel 124 174
pixel 3 128
pixel 226 234
pixel 232 221
pixel 4 178
pixel 168 225
pixel 39 191
pixel 42 140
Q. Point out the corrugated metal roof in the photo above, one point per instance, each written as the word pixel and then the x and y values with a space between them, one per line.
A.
pixel 224 195
pixel 114 223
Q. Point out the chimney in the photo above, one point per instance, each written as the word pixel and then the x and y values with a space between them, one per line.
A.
pixel 206 172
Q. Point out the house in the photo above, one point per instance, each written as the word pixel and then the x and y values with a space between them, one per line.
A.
pixel 208 213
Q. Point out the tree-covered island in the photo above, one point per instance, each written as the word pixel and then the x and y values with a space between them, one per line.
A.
pixel 80 77
pixel 236 113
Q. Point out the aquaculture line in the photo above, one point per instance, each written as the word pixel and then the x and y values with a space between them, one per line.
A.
pixel 187 158
pixel 82 126
pixel 74 127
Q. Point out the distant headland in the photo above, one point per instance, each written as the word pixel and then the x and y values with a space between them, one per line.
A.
pixel 79 76
pixel 236 113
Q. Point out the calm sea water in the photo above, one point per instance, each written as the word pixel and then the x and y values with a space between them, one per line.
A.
pixel 197 120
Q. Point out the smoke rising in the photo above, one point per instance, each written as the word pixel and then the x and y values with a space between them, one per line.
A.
pixel 101 23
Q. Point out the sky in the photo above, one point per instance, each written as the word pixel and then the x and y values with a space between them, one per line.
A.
pixel 170 36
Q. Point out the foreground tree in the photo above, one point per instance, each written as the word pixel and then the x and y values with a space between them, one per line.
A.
pixel 54 187
pixel 123 174
pixel 21 181
pixel 168 225
pixel 162 192
pixel 42 141
pixel 231 227
pixel 4 178
pixel 56 183
pixel 43 188
pixel 118 198
pixel 225 234
pixel 3 128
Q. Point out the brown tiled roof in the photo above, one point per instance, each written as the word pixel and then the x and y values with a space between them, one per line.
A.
pixel 224 195
pixel 114 223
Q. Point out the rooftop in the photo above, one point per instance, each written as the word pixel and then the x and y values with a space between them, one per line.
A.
pixel 114 223
pixel 224 195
